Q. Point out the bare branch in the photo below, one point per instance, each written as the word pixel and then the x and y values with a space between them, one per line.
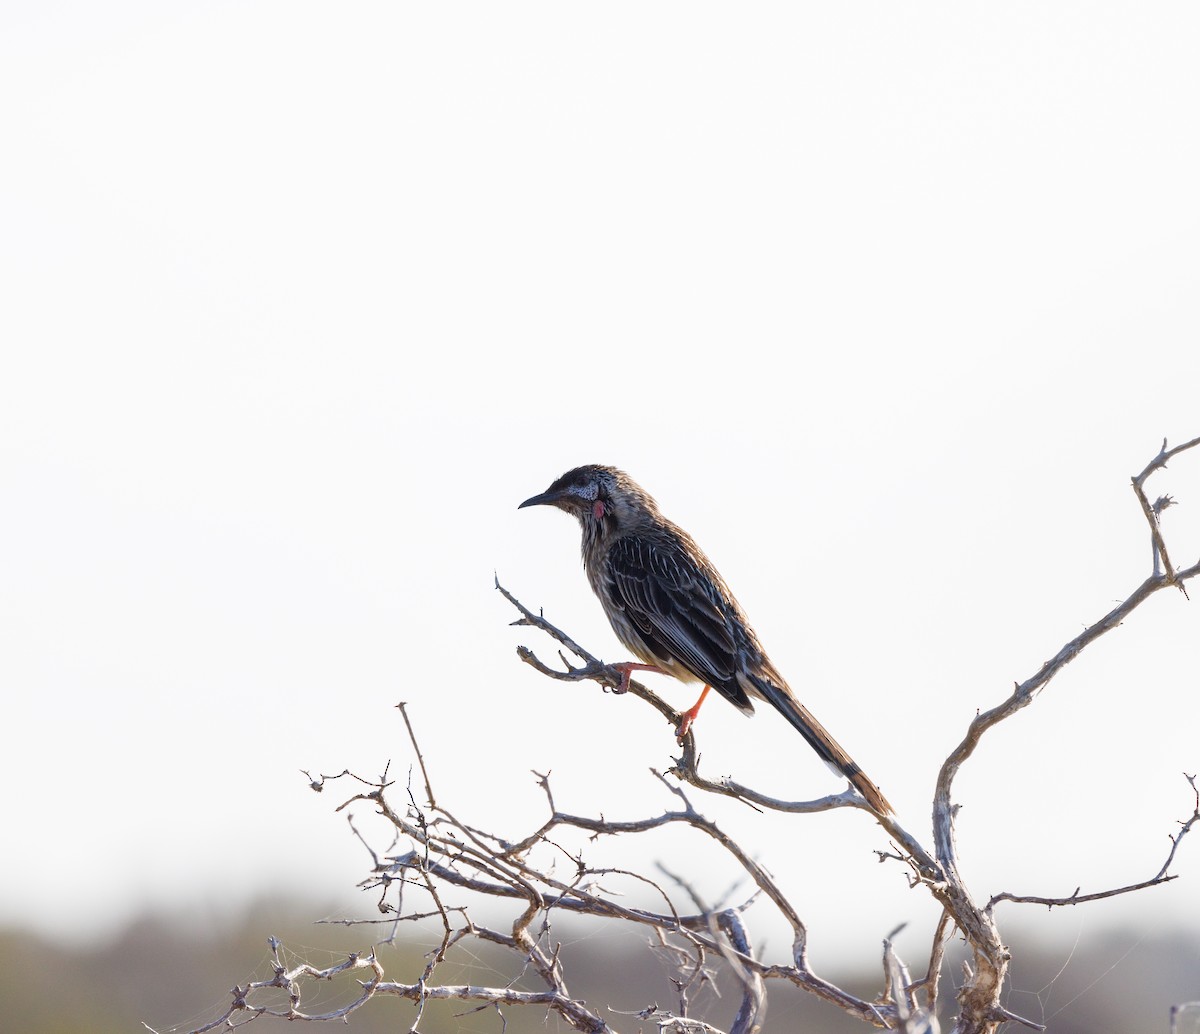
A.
pixel 575 1013
pixel 1154 511
pixel 929 982
pixel 402 707
pixel 1003 1015
pixel 506 872
pixel 980 996
pixel 1161 876
pixel 1160 461
pixel 289 981
pixel 1023 693
pixel 911 1017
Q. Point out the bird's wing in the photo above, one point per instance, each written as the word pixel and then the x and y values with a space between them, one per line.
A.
pixel 677 609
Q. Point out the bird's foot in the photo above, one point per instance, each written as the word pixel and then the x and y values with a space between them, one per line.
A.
pixel 625 667
pixel 689 716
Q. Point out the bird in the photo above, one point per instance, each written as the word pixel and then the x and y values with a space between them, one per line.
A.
pixel 670 607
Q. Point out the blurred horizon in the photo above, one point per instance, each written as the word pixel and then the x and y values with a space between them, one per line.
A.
pixel 172 973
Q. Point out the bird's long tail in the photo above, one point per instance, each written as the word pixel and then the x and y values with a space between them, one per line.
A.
pixel 827 748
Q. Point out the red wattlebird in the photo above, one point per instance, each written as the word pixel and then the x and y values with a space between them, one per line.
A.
pixel 671 608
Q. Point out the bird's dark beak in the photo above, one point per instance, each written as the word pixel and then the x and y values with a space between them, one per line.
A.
pixel 545 499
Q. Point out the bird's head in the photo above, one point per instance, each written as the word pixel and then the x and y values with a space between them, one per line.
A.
pixel 603 499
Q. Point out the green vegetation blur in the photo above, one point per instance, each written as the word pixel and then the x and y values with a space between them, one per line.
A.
pixel 175 975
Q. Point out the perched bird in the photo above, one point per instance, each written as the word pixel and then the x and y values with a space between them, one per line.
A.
pixel 671 608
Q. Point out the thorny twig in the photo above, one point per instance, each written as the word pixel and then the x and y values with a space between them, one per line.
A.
pixel 1154 511
pixel 1162 876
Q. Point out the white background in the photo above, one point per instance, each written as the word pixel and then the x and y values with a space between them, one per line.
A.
pixel 884 304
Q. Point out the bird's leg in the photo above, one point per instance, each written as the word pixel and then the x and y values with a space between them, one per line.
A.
pixel 689 716
pixel 627 666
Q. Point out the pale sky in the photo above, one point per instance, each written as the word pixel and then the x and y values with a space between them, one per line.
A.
pixel 884 303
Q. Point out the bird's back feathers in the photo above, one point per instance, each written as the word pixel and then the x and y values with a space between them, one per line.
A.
pixel 672 614
pixel 674 610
